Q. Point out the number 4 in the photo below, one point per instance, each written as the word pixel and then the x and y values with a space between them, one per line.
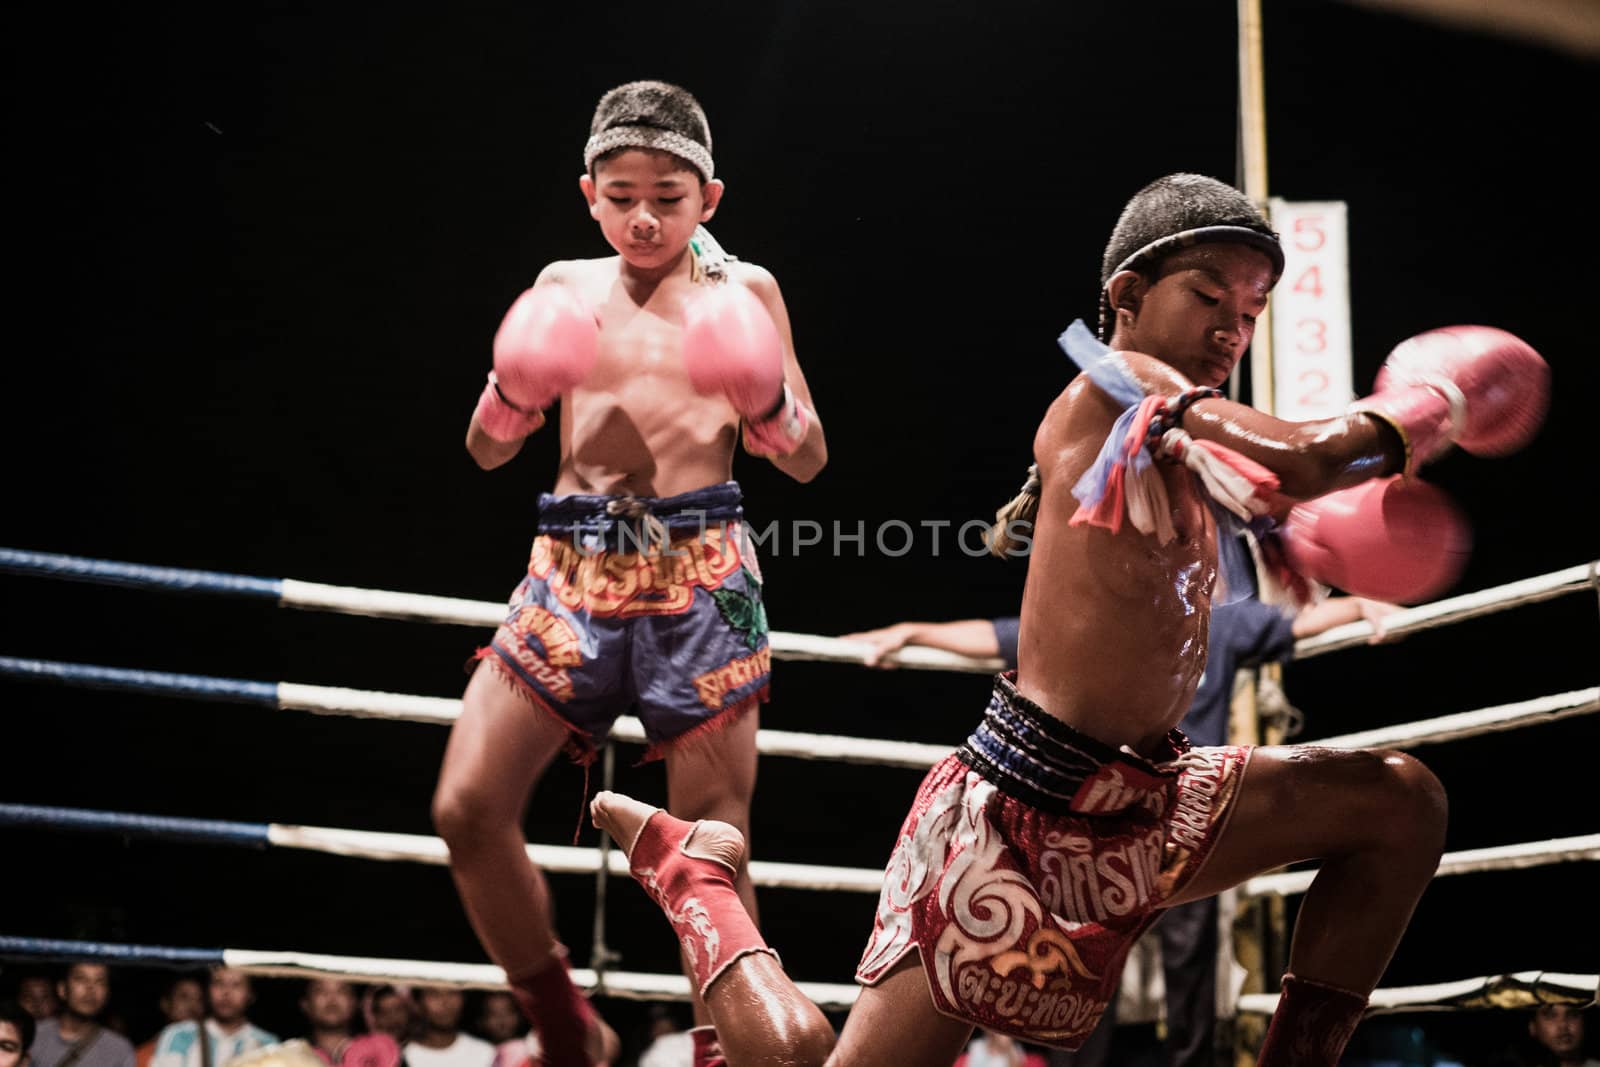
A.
pixel 1310 281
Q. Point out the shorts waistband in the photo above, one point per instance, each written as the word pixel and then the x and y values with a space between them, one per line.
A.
pixel 596 514
pixel 1035 757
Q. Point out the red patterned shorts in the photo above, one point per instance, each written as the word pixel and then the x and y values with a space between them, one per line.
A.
pixel 1031 861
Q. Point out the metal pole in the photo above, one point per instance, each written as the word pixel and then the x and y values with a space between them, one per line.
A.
pixel 600 955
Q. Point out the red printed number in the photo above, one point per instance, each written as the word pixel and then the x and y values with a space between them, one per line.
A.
pixel 1313 383
pixel 1310 281
pixel 1311 335
pixel 1308 234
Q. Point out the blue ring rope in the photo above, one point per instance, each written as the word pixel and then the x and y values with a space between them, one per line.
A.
pixel 159 827
pixel 193 686
pixel 138 575
pixel 45 948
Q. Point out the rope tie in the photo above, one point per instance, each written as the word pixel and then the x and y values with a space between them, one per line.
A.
pixel 632 509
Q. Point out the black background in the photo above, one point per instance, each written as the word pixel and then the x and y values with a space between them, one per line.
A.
pixel 258 253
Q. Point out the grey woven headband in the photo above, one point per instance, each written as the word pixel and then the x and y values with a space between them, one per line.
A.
pixel 648 137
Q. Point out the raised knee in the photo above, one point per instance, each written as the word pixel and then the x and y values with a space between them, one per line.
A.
pixel 1419 805
pixel 808 1038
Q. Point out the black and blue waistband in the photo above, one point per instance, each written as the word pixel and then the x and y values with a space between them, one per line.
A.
pixel 1038 759
pixel 596 515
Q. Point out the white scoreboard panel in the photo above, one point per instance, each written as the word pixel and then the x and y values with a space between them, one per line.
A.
pixel 1311 311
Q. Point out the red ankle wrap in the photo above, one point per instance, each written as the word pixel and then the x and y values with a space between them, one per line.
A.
pixel 1312 1025
pixel 559 1012
pixel 698 897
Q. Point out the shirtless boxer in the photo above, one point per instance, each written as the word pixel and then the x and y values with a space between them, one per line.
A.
pixel 642 588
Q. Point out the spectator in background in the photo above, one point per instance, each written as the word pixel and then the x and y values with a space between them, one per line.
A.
pixel 229 1032
pixel 1244 632
pixel 75 1037
pixel 500 1023
pixel 1558 1030
pixel 389 1009
pixel 988 1049
pixel 499 1020
pixel 183 1000
pixel 329 1007
pixel 439 1041
pixel 16 1034
pixel 36 995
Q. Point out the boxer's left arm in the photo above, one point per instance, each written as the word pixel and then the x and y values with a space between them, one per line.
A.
pixel 805 462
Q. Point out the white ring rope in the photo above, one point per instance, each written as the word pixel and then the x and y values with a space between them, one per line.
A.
pixel 1455 609
pixel 378 603
pixel 327 700
pixel 560 859
pixel 1524 989
pixel 1469 861
pixel 415 848
pixel 403 707
pixel 626 984
pixel 1472 723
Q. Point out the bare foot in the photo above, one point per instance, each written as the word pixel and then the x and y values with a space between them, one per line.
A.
pixel 629 821
pixel 620 816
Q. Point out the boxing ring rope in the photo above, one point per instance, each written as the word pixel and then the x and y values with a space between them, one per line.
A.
pixel 563 859
pixel 419 607
pixel 624 984
pixel 403 848
pixel 414 708
pixel 1472 723
pixel 1470 861
pixel 370 704
pixel 415 607
pixel 403 707
pixel 1454 609
pixel 1521 989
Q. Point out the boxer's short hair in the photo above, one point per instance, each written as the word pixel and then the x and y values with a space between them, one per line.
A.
pixel 1176 212
pixel 653 115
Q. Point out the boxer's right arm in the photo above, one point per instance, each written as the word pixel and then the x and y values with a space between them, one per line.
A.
pixel 546 344
pixel 1309 458
pixel 1475 385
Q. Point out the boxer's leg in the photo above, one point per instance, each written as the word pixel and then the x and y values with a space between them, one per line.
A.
pixel 762 1018
pixel 498 749
pixel 1376 820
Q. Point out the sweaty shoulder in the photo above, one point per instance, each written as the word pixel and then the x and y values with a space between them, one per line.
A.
pixel 757 279
pixel 574 271
pixel 1154 375
pixel 1083 410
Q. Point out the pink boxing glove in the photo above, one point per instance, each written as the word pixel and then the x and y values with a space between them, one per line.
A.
pixel 1395 539
pixel 546 344
pixel 1476 386
pixel 731 346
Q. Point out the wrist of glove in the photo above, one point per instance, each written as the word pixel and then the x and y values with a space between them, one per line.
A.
pixel 1426 414
pixel 503 420
pixel 781 431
